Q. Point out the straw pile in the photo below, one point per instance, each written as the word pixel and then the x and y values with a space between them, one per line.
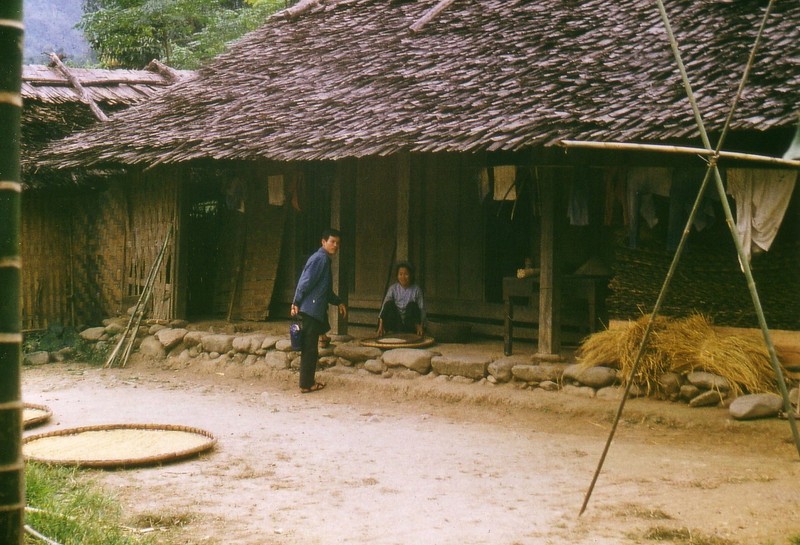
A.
pixel 681 346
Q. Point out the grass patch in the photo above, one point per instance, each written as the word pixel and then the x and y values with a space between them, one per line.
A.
pixel 684 536
pixel 69 509
pixel 639 511
pixel 794 540
pixel 57 338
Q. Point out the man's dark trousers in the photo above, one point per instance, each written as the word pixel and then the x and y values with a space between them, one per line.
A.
pixel 309 352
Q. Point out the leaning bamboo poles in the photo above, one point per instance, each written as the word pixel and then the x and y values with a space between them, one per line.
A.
pixel 128 336
pixel 711 170
pixel 12 466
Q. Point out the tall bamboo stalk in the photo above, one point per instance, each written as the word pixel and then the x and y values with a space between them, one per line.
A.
pixel 12 467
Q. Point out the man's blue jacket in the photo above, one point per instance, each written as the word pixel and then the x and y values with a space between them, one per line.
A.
pixel 315 288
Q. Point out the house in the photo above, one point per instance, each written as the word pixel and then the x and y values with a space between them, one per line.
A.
pixel 430 130
pixel 68 230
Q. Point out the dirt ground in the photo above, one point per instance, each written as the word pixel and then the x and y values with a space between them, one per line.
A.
pixel 426 461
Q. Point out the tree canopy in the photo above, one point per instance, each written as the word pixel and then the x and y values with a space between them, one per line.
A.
pixel 180 33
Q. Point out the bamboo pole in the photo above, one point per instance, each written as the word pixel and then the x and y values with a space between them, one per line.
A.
pixel 148 290
pixel 12 465
pixel 712 169
pixel 431 14
pixel 132 327
pixel 664 148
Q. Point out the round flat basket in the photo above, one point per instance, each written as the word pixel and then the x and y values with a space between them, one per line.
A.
pixel 117 445
pixel 34 415
pixel 398 340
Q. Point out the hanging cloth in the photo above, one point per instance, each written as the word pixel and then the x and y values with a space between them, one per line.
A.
pixel 794 149
pixel 762 197
pixel 504 183
pixel 578 206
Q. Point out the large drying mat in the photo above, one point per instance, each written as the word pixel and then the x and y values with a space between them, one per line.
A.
pixel 399 340
pixel 117 445
pixel 34 415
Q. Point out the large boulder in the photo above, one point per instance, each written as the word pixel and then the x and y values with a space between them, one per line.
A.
pixel 193 338
pixel 752 406
pixel 221 344
pixel 40 357
pixel 153 348
pixel 93 334
pixel 170 338
pixel 596 376
pixel 473 367
pixel 708 381
pixel 539 373
pixel 248 344
pixel 356 353
pixel 410 358
pixel 501 369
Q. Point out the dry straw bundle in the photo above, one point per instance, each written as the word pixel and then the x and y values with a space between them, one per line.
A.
pixel 681 346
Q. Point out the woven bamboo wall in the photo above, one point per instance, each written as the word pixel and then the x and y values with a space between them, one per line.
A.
pixel 73 254
pixel 100 243
pixel 708 280
pixel 153 199
pixel 46 274
pixel 250 250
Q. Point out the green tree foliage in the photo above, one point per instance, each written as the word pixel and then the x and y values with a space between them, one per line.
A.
pixel 180 33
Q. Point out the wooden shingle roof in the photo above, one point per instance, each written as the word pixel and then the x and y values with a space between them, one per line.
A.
pixel 350 78
pixel 49 85
pixel 53 107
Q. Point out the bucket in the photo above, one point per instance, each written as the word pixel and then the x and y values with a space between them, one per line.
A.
pixel 296 335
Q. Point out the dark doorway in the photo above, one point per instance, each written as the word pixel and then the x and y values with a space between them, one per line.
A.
pixel 204 203
pixel 508 235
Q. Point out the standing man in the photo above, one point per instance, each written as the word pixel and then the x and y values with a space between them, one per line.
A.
pixel 311 299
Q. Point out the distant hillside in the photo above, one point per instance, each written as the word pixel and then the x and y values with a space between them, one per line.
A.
pixel 50 26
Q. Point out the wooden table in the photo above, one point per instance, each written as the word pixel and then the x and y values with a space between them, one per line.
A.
pixel 589 288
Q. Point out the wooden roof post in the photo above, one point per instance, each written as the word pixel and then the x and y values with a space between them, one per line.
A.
pixel 403 205
pixel 549 282
pixel 338 324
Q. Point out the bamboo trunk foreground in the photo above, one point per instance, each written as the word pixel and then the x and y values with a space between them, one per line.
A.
pixel 12 468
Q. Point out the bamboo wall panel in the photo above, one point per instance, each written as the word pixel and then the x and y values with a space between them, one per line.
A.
pixel 153 210
pixel 453 238
pixel 375 227
pixel 256 268
pixel 108 238
pixel 46 272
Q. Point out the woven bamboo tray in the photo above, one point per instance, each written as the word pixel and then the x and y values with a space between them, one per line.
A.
pixel 117 445
pixel 398 340
pixel 34 415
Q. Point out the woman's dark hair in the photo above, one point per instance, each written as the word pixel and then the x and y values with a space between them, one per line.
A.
pixel 404 265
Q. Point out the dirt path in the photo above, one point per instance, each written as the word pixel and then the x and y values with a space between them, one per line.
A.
pixel 394 462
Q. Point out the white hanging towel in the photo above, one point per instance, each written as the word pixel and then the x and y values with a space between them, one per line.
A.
pixel 761 197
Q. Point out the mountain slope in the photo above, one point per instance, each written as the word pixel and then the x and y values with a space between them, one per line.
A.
pixel 50 26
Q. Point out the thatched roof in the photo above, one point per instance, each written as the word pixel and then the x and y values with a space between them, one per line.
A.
pixel 349 78
pixel 53 107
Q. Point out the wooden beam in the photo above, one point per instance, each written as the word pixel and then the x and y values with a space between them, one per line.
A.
pixel 428 16
pixel 81 90
pixel 162 69
pixel 338 324
pixel 403 205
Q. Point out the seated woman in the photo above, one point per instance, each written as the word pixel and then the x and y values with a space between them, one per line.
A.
pixel 403 309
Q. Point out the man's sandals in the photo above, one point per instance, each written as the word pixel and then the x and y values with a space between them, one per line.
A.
pixel 315 388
